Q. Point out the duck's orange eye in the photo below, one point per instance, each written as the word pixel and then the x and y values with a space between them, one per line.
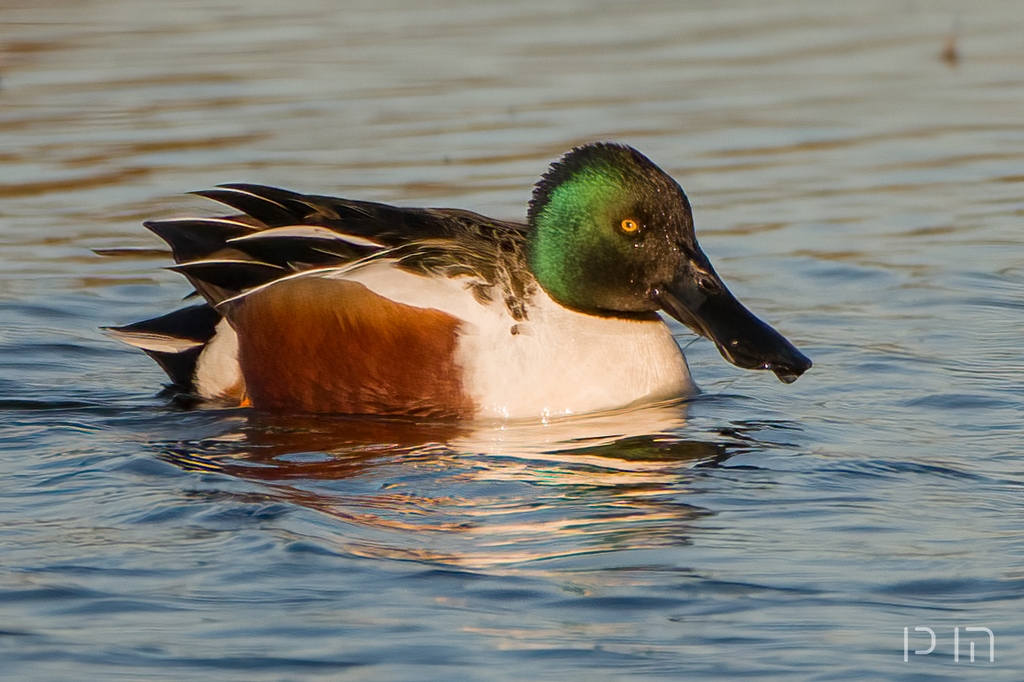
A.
pixel 629 226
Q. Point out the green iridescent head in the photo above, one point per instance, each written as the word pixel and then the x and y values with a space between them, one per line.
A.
pixel 612 234
pixel 608 225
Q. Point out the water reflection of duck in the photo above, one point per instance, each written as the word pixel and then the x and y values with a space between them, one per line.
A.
pixel 278 447
pixel 486 495
pixel 316 304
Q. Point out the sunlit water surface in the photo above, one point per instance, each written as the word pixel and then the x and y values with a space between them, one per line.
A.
pixel 852 186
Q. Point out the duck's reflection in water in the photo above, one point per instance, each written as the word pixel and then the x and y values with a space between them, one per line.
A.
pixel 474 495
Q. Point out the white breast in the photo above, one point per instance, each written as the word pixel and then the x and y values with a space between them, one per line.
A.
pixel 558 362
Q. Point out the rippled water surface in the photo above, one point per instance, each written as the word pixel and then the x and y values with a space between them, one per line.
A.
pixel 853 187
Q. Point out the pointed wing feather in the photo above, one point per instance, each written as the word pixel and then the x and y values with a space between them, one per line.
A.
pixel 301 246
pixel 217 279
pixel 263 209
pixel 193 238
pixel 308 232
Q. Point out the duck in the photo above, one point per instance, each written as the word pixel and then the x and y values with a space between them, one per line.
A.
pixel 314 304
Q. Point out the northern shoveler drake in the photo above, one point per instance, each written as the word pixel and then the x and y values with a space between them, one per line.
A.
pixel 316 304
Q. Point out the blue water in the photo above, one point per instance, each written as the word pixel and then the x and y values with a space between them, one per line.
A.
pixel 852 187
